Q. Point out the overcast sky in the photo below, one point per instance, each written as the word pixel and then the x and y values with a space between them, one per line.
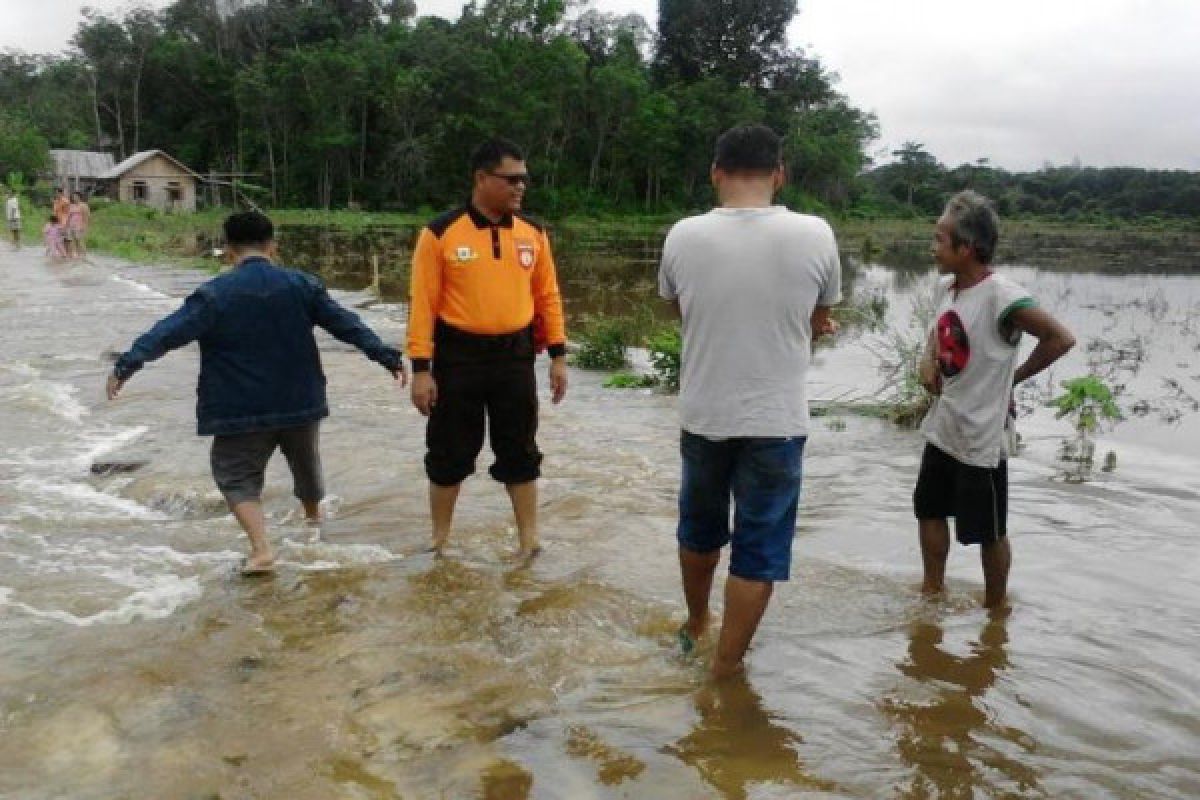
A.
pixel 1019 82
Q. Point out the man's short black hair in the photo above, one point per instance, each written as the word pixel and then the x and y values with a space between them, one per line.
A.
pixel 489 154
pixel 748 148
pixel 248 228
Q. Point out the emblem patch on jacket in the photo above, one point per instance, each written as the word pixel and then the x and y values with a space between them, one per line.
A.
pixel 526 254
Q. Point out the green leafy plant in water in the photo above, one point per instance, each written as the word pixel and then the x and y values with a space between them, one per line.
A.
pixel 666 356
pixel 630 380
pixel 1087 400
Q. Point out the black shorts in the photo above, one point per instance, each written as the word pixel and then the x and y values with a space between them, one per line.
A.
pixel 483 382
pixel 977 497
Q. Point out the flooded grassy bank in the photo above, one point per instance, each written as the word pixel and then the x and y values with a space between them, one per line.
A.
pixel 347 245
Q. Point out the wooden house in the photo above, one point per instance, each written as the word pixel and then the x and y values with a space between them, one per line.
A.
pixel 153 178
pixel 78 170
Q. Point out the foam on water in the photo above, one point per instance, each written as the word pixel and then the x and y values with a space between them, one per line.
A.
pixel 21 369
pixel 57 398
pixel 320 556
pixel 139 287
pixel 78 501
pixel 104 441
pixel 159 596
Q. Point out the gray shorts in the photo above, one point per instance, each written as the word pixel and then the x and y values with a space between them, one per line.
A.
pixel 240 460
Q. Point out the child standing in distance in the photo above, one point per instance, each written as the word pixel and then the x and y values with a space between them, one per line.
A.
pixel 52 235
pixel 261 384
pixel 60 206
pixel 79 218
pixel 970 365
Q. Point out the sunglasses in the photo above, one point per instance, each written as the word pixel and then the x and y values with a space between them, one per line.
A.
pixel 512 178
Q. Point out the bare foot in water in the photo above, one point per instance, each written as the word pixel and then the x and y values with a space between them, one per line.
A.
pixel 258 565
pixel 437 544
pixel 526 557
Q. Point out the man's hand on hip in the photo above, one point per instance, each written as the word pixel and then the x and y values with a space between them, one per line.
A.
pixel 558 378
pixel 424 392
pixel 823 323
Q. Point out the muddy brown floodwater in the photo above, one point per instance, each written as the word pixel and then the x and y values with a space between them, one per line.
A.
pixel 133 664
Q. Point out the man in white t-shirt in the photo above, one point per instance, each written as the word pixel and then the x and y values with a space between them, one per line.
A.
pixel 754 283
pixel 12 216
pixel 970 365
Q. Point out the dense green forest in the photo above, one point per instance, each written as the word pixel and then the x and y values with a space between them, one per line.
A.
pixel 336 103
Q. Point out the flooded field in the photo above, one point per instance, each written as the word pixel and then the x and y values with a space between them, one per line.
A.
pixel 134 664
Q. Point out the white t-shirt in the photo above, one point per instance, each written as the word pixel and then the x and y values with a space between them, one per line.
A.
pixel 12 208
pixel 747 280
pixel 976 354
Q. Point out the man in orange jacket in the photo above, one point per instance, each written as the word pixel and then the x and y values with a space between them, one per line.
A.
pixel 481 275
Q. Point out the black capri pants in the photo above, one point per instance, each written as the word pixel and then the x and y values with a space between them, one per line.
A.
pixel 483 382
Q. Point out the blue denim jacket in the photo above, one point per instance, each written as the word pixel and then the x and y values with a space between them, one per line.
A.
pixel 259 366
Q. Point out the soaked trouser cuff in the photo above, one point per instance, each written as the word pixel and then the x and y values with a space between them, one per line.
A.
pixel 239 462
pixel 523 469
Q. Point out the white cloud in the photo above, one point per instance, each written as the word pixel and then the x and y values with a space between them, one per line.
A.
pixel 1112 82
pixel 46 26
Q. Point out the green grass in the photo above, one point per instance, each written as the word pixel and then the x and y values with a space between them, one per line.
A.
pixel 630 380
pixel 145 235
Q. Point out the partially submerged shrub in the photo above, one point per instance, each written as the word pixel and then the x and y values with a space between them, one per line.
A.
pixel 602 342
pixel 903 398
pixel 666 356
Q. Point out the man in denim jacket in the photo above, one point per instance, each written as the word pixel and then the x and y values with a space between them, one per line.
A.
pixel 261 384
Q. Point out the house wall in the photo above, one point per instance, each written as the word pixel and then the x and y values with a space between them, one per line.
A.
pixel 157 174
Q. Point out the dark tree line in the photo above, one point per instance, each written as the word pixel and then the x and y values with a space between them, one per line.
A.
pixel 334 102
pixel 917 183
pixel 329 103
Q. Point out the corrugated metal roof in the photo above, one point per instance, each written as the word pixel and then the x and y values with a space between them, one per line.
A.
pixel 80 163
pixel 138 158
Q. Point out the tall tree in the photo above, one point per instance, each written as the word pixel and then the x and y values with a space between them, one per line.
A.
pixel 23 151
pixel 916 168
pixel 737 40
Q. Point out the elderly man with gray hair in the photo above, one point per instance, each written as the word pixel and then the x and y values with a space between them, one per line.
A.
pixel 970 366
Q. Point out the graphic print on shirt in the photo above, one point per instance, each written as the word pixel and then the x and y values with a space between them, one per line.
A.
pixel 954 348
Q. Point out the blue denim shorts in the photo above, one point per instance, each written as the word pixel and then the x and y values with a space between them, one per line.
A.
pixel 763 477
